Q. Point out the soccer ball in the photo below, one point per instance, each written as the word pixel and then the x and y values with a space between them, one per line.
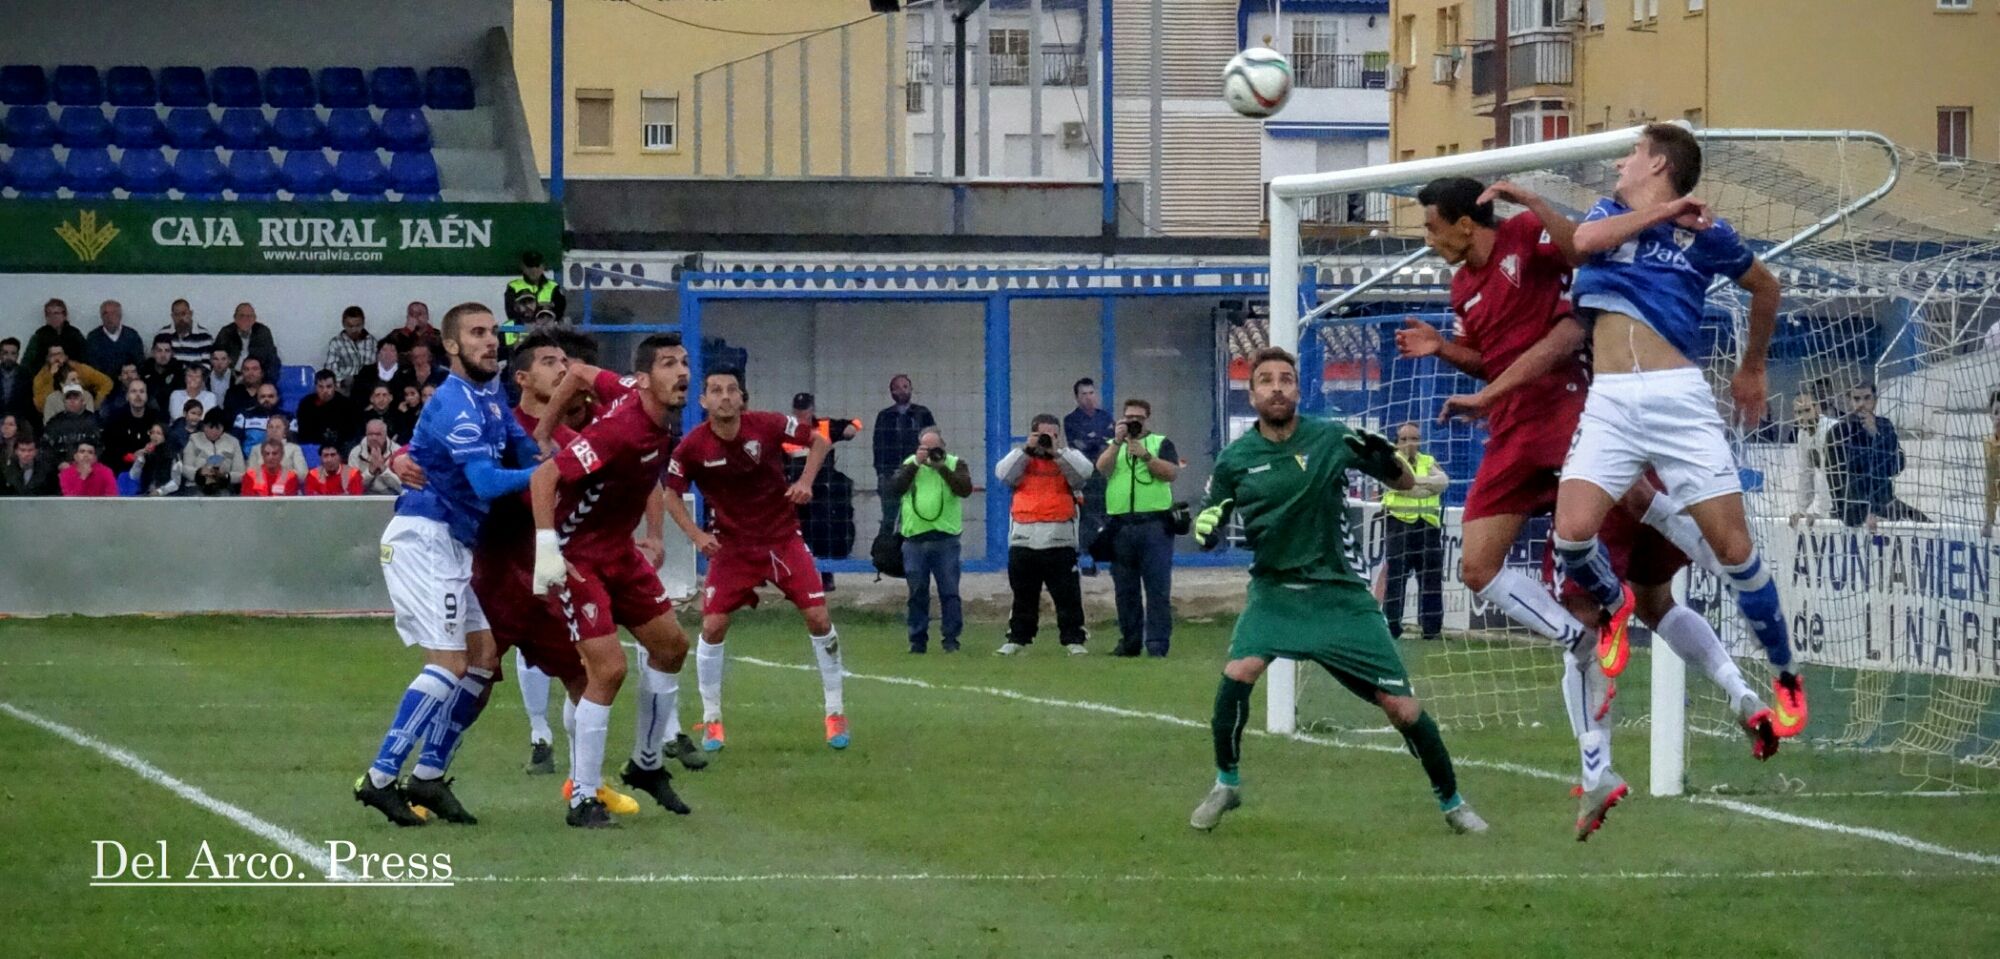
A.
pixel 1257 82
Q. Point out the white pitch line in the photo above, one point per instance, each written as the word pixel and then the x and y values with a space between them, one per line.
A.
pixel 1227 878
pixel 1879 835
pixel 279 836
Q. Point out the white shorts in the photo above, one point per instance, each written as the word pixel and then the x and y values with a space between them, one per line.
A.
pixel 1665 419
pixel 430 584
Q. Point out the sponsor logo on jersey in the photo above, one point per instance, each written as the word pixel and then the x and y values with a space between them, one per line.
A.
pixel 1301 457
pixel 1394 683
pixel 649 457
pixel 1259 468
pixel 585 455
pixel 590 611
pixel 674 468
pixel 629 382
pixel 721 462
pixel 1510 267
pixel 754 450
pixel 388 554
pixel 1683 238
pixel 495 409
pixel 463 433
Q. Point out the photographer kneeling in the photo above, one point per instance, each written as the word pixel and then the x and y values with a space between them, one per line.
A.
pixel 1047 478
pixel 932 486
pixel 1138 504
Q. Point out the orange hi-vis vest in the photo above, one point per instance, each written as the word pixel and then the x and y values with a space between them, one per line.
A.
pixel 257 483
pixel 824 427
pixel 1044 495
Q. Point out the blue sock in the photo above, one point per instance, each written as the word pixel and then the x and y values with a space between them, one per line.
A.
pixel 448 724
pixel 1586 563
pixel 1229 778
pixel 422 701
pixel 1757 597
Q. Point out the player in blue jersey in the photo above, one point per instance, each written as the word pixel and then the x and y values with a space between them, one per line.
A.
pixel 1646 258
pixel 471 451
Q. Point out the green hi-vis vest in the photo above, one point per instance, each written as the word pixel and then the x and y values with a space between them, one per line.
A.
pixel 1134 489
pixel 1415 506
pixel 545 295
pixel 929 506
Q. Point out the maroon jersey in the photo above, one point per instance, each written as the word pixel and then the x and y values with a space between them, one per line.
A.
pixel 743 478
pixel 1508 305
pixel 609 472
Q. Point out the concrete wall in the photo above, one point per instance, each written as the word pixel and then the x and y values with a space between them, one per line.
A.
pixel 253 33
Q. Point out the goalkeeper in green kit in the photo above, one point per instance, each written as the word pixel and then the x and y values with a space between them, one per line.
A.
pixel 1287 480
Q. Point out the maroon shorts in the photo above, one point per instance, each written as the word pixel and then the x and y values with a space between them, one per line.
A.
pixel 621 589
pixel 735 573
pixel 1639 554
pixel 521 620
pixel 1523 466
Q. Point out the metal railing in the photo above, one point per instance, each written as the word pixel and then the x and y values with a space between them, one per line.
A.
pixel 1340 71
pixel 1061 66
pixel 1534 58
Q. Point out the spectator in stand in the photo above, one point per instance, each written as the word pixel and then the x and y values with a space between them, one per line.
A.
pixel 245 338
pixel 126 373
pixel 279 427
pixel 160 370
pixel 424 370
pixel 271 478
pixel 382 407
pixel 194 386
pixel 185 428
pixel 212 463
pixel 1047 477
pixel 113 344
pixel 17 384
pixel 127 423
pixel 416 329
pixel 53 406
pixel 371 456
pixel 1088 428
pixel 536 282
pixel 387 370
pixel 1810 428
pixel 84 477
pixel 250 423
pixel 249 385
pixel 59 371
pixel 220 376
pixel 408 411
pixel 192 342
pixel 30 470
pixel 10 431
pixel 54 331
pixel 327 418
pixel 898 428
pixel 116 405
pixel 334 477
pixel 350 349
pixel 73 425
pixel 155 469
pixel 1864 457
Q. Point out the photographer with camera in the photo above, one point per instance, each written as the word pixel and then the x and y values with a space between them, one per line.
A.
pixel 932 485
pixel 1048 478
pixel 1140 467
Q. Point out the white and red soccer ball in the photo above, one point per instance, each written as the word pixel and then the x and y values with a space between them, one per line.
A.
pixel 1257 82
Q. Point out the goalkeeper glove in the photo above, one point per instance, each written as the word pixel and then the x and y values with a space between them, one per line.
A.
pixel 1373 452
pixel 1206 522
pixel 550 569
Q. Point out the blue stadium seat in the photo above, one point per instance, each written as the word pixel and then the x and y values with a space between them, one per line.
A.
pixel 30 127
pixel 298 128
pixel 359 173
pixel 405 130
pixel 295 383
pixel 77 85
pixel 146 174
pixel 288 87
pixel 448 88
pixel 350 129
pixel 130 87
pixel 253 171
pixel 137 128
pixel 307 172
pixel 90 173
pixel 190 128
pixel 23 85
pixel 35 173
pixel 200 174
pixel 84 127
pixel 183 87
pixel 235 87
pixel 422 197
pixel 413 173
pixel 396 88
pixel 243 128
pixel 127 486
pixel 342 88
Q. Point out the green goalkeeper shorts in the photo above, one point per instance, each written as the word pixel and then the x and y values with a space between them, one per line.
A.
pixel 1337 625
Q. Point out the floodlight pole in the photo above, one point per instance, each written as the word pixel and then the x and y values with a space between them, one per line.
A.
pixel 556 100
pixel 961 12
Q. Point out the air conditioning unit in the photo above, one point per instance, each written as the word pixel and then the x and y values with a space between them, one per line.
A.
pixel 1570 14
pixel 1074 135
pixel 1396 76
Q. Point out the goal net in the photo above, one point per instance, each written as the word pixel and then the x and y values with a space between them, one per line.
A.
pixel 1890 262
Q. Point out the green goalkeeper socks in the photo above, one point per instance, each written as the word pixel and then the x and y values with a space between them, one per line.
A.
pixel 1427 745
pixel 1232 716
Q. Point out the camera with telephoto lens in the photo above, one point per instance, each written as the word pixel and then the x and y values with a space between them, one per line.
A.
pixel 1135 428
pixel 937 454
pixel 1043 446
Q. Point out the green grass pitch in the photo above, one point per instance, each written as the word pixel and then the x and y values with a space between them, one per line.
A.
pixel 1034 806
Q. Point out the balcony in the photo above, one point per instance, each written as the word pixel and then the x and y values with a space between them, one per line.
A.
pixel 1534 58
pixel 1444 66
pixel 1060 66
pixel 1340 71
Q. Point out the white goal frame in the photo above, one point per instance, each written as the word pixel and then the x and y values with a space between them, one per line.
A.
pixel 1669 674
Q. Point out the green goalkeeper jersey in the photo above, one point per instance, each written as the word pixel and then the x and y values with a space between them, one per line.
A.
pixel 1292 499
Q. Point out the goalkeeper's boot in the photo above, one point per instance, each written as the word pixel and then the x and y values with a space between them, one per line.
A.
pixel 612 799
pixel 712 739
pixel 387 800
pixel 657 783
pixel 591 814
pixel 1788 715
pixel 435 795
pixel 836 731
pixel 1462 819
pixel 541 760
pixel 683 749
pixel 1595 804
pixel 1759 723
pixel 1614 639
pixel 1220 799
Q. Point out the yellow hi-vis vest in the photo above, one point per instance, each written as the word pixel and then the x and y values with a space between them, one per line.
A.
pixel 1134 489
pixel 1415 505
pixel 929 505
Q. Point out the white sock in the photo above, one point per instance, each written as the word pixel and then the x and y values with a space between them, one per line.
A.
pixel 708 677
pixel 569 717
pixel 586 750
pixel 534 698
pixel 1593 740
pixel 1694 641
pixel 826 649
pixel 1665 516
pixel 659 701
pixel 1527 603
